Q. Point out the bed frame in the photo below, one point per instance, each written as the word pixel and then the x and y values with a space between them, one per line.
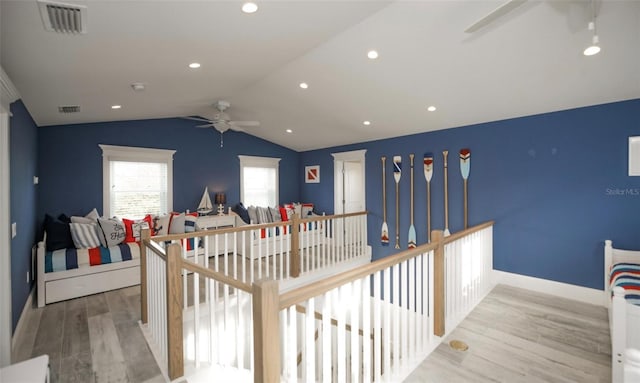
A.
pixel 624 320
pixel 62 285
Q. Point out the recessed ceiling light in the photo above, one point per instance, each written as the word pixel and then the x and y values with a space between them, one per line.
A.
pixel 289 131
pixel 194 65
pixel 116 106
pixel 249 7
pixel 372 55
pixel 431 108
pixel 592 50
pixel 367 123
pixel 304 85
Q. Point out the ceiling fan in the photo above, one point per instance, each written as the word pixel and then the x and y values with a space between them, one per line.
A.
pixel 222 122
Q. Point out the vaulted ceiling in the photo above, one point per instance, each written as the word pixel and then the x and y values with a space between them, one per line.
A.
pixel 525 62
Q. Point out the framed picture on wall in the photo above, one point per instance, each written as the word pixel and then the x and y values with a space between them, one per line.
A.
pixel 312 174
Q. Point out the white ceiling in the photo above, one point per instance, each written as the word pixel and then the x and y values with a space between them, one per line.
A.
pixel 526 62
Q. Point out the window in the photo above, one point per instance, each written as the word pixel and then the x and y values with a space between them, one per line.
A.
pixel 136 181
pixel 259 181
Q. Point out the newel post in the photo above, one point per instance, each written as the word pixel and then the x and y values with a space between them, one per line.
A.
pixel 174 312
pixel 294 259
pixel 437 236
pixel 266 331
pixel 146 234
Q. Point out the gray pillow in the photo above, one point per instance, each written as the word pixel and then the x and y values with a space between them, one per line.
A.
pixel 111 232
pixel 253 214
pixel 263 215
pixel 177 224
pixel 275 214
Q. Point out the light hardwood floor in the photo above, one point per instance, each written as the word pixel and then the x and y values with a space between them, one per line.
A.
pixel 514 335
pixel 91 339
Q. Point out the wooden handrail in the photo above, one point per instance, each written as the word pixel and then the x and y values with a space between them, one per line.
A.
pixel 249 227
pixel 320 287
pixel 463 233
pixel 215 275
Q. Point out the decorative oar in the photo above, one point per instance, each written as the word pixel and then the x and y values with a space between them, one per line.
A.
pixel 445 153
pixel 412 229
pixel 385 230
pixel 428 174
pixel 465 165
pixel 397 170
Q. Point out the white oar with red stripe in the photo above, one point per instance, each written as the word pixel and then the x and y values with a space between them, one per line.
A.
pixel 428 174
pixel 384 238
pixel 445 153
pixel 397 172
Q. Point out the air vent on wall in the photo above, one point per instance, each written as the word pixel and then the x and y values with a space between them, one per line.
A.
pixel 69 109
pixel 63 18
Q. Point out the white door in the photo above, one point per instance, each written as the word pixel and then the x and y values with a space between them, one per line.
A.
pixel 353 187
pixel 5 243
pixel 349 181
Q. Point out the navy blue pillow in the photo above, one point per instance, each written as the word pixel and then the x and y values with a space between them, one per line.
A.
pixel 58 234
pixel 240 210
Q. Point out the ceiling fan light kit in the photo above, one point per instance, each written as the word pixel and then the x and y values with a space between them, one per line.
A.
pixel 594 48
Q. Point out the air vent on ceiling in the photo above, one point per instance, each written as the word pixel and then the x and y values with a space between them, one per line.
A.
pixel 69 109
pixel 63 18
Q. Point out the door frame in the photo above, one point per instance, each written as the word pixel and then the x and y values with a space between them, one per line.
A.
pixel 8 94
pixel 338 168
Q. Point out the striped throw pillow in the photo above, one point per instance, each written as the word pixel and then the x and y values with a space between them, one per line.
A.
pixel 84 235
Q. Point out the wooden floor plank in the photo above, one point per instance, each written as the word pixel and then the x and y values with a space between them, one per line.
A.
pixel 516 335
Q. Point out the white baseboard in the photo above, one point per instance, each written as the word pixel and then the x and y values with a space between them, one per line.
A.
pixel 559 289
pixel 28 305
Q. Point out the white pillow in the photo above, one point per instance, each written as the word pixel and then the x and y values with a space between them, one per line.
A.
pixel 177 224
pixel 161 224
pixel 112 232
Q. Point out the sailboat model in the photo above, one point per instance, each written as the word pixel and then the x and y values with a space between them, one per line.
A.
pixel 205 207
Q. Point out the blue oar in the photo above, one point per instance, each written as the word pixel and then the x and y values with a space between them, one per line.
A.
pixel 465 165
pixel 397 172
pixel 412 229
pixel 385 230
pixel 428 174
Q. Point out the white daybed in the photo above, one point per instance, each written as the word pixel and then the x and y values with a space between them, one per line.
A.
pixel 624 319
pixel 85 280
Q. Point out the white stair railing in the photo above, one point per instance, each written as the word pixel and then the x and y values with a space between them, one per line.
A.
pixel 468 266
pixel 364 325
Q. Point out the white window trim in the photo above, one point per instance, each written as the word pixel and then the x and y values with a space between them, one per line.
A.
pixel 134 154
pixel 8 95
pixel 263 162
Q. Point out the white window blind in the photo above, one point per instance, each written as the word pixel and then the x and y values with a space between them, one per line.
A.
pixel 259 181
pixel 138 188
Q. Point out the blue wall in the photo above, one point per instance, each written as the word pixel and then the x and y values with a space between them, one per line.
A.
pixel 70 162
pixel 556 184
pixel 23 162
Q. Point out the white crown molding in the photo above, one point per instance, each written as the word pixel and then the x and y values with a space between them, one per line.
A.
pixel 8 92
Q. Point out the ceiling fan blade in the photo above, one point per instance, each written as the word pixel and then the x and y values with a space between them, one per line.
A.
pixel 244 123
pixel 204 126
pixel 197 119
pixel 495 14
